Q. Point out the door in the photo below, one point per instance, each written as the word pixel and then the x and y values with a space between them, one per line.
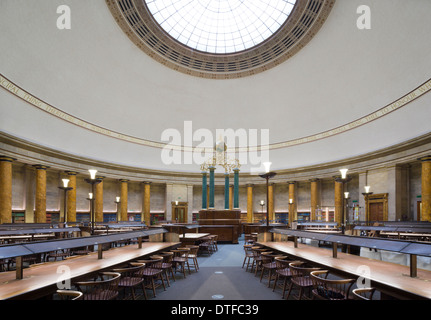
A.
pixel 376 211
pixel 179 212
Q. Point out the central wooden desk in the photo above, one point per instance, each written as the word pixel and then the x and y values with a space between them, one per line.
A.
pixel 389 278
pixel 192 238
pixel 41 280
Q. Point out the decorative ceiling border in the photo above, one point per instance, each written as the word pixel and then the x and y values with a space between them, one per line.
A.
pixel 136 21
pixel 40 104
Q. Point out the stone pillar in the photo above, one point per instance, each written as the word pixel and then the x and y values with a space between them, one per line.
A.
pixel 250 213
pixel 71 197
pixel 168 201
pixel 146 208
pixel 212 186
pixel 236 188
pixel 226 191
pixel 292 207
pixel 40 212
pixel 315 198
pixel 123 195
pixel 271 214
pixel 98 201
pixel 190 203
pixel 6 189
pixel 204 190
pixel 426 188
pixel 339 202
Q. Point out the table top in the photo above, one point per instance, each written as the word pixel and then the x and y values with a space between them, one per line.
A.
pixel 40 277
pixel 193 235
pixel 394 279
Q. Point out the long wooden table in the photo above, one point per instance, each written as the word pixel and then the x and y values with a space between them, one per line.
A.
pixel 192 238
pixel 41 280
pixel 389 278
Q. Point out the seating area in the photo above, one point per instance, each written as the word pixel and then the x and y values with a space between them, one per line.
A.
pixel 300 280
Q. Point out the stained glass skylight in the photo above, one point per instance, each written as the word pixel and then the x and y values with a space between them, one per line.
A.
pixel 220 26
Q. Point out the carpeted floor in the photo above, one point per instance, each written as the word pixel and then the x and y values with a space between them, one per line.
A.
pixel 220 276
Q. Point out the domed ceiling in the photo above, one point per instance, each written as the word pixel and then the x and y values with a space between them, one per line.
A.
pixel 95 91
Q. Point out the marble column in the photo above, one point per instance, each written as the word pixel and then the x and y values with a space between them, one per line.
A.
pixel 124 196
pixel 231 197
pixel 250 213
pixel 315 198
pixel 271 214
pixel 426 188
pixel 6 189
pixel 339 202
pixel 146 208
pixel 236 188
pixel 204 190
pixel 292 206
pixel 212 186
pixel 98 200
pixel 71 197
pixel 40 197
pixel 226 191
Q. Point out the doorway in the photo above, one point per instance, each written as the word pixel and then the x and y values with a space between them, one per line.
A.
pixel 179 211
pixel 377 207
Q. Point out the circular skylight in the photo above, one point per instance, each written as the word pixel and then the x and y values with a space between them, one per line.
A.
pixel 220 26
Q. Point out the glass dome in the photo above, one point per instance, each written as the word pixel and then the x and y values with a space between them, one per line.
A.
pixel 220 26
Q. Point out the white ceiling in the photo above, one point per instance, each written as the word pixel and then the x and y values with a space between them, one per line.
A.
pixel 95 73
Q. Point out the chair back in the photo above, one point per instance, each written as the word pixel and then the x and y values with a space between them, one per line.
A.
pixel 104 289
pixel 193 250
pixel 130 274
pixel 328 289
pixel 69 294
pixel 301 274
pixel 363 293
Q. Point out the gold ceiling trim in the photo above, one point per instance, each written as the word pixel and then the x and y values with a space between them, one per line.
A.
pixel 40 104
pixel 136 21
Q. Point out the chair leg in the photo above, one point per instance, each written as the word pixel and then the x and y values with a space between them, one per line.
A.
pixel 290 290
pixel 275 282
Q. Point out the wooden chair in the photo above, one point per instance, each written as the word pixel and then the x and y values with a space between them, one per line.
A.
pixel 363 293
pixel 205 245
pixel 104 289
pixel 328 289
pixel 70 294
pixel 57 254
pixel 258 258
pixel 248 255
pixel 282 270
pixel 167 264
pixel 214 239
pixel 131 277
pixel 152 271
pixel 300 278
pixel 181 259
pixel 193 256
pixel 269 265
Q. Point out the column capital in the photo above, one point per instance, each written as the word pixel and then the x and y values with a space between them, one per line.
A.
pixel 249 185
pixel 71 173
pixel 123 180
pixel 425 158
pixel 40 166
pixel 291 182
pixel 145 182
pixel 7 159
pixel 314 180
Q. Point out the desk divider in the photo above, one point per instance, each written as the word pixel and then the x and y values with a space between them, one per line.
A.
pixel 24 249
pixel 401 246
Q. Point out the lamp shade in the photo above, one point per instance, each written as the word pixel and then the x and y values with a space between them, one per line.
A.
pixel 267 166
pixel 117 199
pixel 262 202
pixel 90 195
pixel 343 173
pixel 92 173
pixel 346 195
pixel 65 182
pixel 367 189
